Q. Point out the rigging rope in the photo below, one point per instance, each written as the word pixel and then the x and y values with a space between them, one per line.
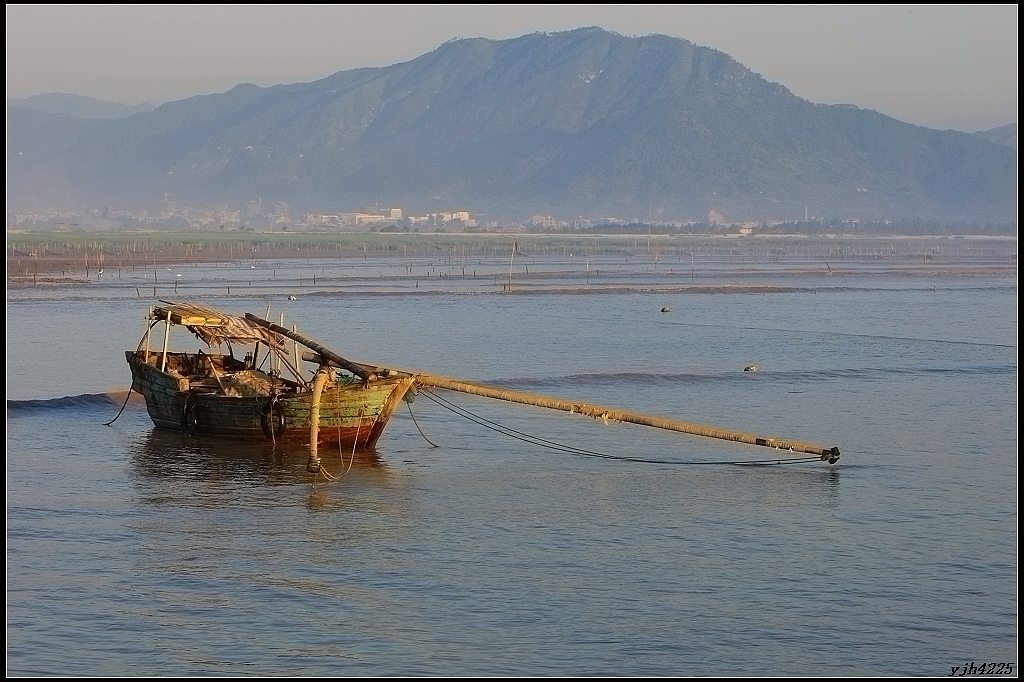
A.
pixel 355 442
pixel 579 452
pixel 432 443
pixel 129 395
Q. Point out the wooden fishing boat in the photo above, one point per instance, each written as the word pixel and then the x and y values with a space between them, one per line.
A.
pixel 218 394
pixel 345 403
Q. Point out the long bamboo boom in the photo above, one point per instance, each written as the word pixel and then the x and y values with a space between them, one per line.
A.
pixel 830 455
pixel 368 372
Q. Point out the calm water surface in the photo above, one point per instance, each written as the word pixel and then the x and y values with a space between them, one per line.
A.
pixel 132 551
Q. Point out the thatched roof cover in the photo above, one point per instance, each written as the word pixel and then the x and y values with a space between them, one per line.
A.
pixel 215 327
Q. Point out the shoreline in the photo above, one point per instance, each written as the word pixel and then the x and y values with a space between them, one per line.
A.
pixel 610 264
pixel 547 284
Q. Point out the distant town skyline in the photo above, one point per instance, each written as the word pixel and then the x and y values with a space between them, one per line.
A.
pixel 939 66
pixel 257 215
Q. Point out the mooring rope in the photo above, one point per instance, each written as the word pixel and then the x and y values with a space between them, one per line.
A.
pixel 579 452
pixel 270 407
pixel 432 443
pixel 355 442
pixel 341 453
pixel 129 395
pixel 337 419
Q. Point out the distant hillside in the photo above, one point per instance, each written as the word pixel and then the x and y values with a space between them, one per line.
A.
pixel 77 105
pixel 1005 135
pixel 583 122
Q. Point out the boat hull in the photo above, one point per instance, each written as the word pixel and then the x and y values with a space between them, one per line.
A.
pixel 352 413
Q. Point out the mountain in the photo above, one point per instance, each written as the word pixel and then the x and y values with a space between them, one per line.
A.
pixel 77 105
pixel 1005 135
pixel 582 122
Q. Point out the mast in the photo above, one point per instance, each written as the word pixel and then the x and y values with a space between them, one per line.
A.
pixel 359 370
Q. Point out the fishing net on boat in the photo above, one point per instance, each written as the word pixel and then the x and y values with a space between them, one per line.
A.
pixel 247 383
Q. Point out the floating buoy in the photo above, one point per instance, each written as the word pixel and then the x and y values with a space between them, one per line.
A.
pixel 666 309
pixel 292 298
pixel 750 368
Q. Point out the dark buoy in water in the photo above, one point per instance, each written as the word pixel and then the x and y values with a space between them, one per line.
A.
pixel 666 309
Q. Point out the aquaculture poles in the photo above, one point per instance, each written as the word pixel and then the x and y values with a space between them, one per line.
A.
pixel 830 455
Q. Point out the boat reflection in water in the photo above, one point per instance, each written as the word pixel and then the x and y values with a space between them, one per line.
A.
pixel 198 492
pixel 173 456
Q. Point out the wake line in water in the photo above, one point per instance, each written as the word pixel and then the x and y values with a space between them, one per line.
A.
pixel 74 402
pixel 788 376
pixel 887 337
pixel 884 336
pixel 807 332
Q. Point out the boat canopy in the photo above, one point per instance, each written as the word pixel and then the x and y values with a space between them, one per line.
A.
pixel 215 327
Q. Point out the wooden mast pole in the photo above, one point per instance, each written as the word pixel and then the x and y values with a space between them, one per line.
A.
pixel 167 336
pixel 359 370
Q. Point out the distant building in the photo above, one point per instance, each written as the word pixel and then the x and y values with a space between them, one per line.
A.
pixel 546 221
pixel 323 219
pixel 370 218
pixel 279 210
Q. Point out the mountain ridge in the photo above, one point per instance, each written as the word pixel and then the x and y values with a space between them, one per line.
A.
pixel 582 122
pixel 79 106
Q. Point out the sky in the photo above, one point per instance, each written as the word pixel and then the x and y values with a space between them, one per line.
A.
pixel 940 66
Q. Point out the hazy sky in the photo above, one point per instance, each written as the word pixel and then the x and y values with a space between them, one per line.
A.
pixel 941 66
